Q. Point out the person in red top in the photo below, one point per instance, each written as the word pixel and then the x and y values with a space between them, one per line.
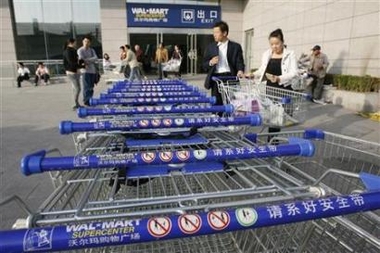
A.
pixel 140 58
pixel 42 72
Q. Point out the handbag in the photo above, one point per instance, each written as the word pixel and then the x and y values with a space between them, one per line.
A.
pixel 97 77
pixel 97 72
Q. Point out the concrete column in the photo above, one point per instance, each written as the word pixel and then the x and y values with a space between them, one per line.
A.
pixel 113 17
pixel 232 13
pixel 7 48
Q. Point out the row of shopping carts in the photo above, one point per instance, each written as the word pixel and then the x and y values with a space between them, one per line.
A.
pixel 157 169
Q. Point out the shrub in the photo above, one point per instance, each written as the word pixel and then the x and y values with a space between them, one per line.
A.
pixel 356 83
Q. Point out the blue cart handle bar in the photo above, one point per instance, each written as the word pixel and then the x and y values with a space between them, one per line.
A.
pixel 148 94
pixel 68 127
pixel 156 100
pixel 123 232
pixel 153 89
pixel 84 112
pixel 38 163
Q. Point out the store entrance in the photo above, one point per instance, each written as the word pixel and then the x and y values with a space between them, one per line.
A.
pixel 191 45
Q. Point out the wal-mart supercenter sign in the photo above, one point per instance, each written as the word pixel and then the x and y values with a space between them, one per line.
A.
pixel 169 15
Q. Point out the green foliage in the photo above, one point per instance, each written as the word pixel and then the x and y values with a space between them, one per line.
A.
pixel 356 83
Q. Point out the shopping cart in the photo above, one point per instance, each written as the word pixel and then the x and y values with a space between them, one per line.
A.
pixel 325 203
pixel 278 107
pixel 172 66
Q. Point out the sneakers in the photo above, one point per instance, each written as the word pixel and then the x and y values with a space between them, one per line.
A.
pixel 319 101
pixel 76 107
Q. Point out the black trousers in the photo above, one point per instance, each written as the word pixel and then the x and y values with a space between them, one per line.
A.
pixel 214 88
pixel 22 78
pixel 44 76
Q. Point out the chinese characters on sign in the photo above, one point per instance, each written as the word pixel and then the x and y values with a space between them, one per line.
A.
pixel 168 15
pixel 314 206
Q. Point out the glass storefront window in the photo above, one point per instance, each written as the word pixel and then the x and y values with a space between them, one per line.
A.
pixel 42 27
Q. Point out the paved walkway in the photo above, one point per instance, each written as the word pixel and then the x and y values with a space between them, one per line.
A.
pixel 29 122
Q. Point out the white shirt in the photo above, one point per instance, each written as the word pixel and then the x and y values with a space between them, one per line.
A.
pixel 289 68
pixel 23 71
pixel 42 71
pixel 222 66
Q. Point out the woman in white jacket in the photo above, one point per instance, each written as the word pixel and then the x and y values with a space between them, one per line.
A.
pixel 278 65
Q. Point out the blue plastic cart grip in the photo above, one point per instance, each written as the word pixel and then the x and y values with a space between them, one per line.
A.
pixel 148 83
pixel 286 100
pixel 164 157
pixel 314 134
pixel 154 89
pixel 124 232
pixel 148 101
pixel 371 182
pixel 32 162
pixel 152 82
pixel 151 86
pixel 84 112
pixel 153 94
pixel 68 127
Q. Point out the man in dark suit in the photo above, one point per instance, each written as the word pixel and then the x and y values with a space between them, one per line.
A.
pixel 222 58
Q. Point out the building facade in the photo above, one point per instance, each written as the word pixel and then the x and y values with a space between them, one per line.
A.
pixel 347 31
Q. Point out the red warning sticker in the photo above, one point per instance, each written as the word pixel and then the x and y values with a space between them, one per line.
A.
pixel 167 122
pixel 189 223
pixel 218 220
pixel 166 156
pixel 144 123
pixel 183 155
pixel 156 122
pixel 159 227
pixel 148 157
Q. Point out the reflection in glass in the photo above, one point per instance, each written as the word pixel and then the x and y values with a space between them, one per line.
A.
pixel 42 27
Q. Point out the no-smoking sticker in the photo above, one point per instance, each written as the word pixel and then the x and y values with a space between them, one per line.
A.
pixel 189 223
pixel 246 216
pixel 159 227
pixel 167 122
pixel 183 155
pixel 218 220
pixel 144 123
pixel 148 157
pixel 156 122
pixel 166 156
